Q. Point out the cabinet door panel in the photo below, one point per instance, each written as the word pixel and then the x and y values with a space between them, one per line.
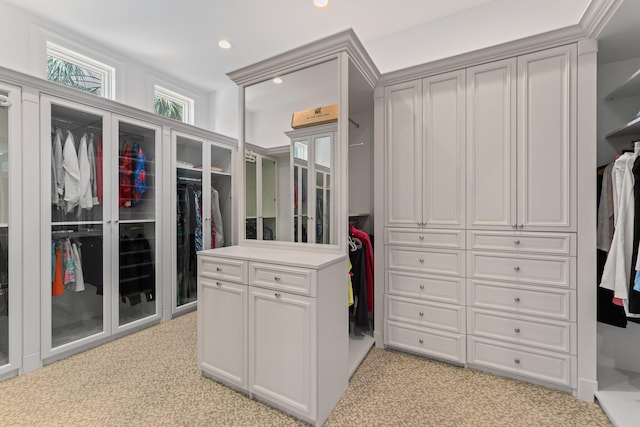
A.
pixel 223 331
pixel 546 139
pixel 403 154
pixel 444 150
pixel 282 349
pixel 491 136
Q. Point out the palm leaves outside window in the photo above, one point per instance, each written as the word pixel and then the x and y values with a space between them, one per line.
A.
pixel 168 108
pixel 72 75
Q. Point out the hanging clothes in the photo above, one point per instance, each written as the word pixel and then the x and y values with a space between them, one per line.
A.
pixel 198 230
pixel 359 285
pixel 125 189
pixel 93 171
pixel 86 199
pixel 217 229
pixel 57 191
pixel 57 286
pixel 71 173
pixel 369 262
pixel 77 263
pixel 139 177
pixel 99 170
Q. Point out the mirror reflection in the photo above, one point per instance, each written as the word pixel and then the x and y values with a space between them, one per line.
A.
pixel 290 162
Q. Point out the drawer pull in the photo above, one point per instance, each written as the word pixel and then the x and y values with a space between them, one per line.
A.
pixel 421 341
pixel 277 278
pixel 517 299
pixel 421 237
pixel 421 260
pixel 517 330
pixel 421 314
pixel 517 361
pixel 218 283
pixel 516 268
pixel 422 287
pixel 277 294
pixel 218 269
pixel 517 242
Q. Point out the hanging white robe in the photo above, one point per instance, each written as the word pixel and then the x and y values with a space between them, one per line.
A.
pixel 71 173
pixel 86 199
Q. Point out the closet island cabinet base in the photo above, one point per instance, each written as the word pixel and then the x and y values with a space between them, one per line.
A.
pixel 273 323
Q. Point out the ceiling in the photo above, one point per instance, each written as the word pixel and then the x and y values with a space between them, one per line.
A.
pixel 180 37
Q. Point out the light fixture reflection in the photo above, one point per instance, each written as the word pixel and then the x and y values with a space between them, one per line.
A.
pixel 224 43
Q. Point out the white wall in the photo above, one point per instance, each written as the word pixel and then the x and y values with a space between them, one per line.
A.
pixel 361 168
pixel 617 347
pixel 23 48
pixel 223 117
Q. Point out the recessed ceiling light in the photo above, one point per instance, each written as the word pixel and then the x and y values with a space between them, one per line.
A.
pixel 277 80
pixel 224 43
pixel 321 3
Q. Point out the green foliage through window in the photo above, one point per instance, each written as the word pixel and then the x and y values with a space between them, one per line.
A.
pixel 168 108
pixel 72 75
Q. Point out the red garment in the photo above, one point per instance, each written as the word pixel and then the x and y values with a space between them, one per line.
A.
pixel 56 287
pixel 368 259
pixel 618 301
pixel 126 170
pixel 99 170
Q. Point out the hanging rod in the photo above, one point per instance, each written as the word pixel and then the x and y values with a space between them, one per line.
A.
pixel 353 122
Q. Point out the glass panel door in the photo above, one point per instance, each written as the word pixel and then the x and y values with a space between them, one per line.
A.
pixel 300 189
pixel 136 187
pixel 189 224
pixel 4 227
pixel 269 202
pixel 220 206
pixel 322 159
pixel 251 199
pixel 77 213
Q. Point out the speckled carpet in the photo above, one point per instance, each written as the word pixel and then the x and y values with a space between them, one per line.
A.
pixel 150 378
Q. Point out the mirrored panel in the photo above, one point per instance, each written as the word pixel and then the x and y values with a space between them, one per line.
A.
pixel 284 161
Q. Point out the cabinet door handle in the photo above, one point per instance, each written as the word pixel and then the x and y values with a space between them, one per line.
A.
pixel 421 341
pixel 116 221
pixel 218 283
pixel 514 226
pixel 421 314
pixel 419 224
pixel 218 269
pixel 516 268
pixel 422 287
pixel 276 278
pixel 521 226
pixel 421 237
pixel 277 294
pixel 517 242
pixel 516 330
pixel 517 361
pixel 517 299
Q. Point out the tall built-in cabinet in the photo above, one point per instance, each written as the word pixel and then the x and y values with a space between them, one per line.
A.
pixel 480 216
pixel 202 200
pixel 10 227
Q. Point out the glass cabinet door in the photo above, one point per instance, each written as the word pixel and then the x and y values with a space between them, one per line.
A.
pixel 136 186
pixel 300 191
pixel 189 223
pixel 218 223
pixel 322 161
pixel 9 136
pixel 251 198
pixel 76 290
pixel 269 211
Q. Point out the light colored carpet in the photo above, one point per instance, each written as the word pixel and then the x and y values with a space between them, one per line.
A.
pixel 150 378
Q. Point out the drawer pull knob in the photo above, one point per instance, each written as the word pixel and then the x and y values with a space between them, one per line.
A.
pixel 517 330
pixel 277 278
pixel 422 287
pixel 517 361
pixel 218 269
pixel 517 242
pixel 516 268
pixel 421 314
pixel 218 283
pixel 421 237
pixel 421 341
pixel 277 294
pixel 421 260
pixel 517 299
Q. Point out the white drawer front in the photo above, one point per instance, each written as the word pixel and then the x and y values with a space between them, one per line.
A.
pixel 544 334
pixel 449 239
pixel 429 342
pixel 445 262
pixel 529 300
pixel 289 279
pixel 542 365
pixel 427 314
pixel 222 268
pixel 437 288
pixel 542 243
pixel 543 270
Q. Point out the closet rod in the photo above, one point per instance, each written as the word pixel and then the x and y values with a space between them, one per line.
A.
pixel 184 178
pixel 353 122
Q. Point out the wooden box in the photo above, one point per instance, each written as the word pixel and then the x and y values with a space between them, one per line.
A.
pixel 315 116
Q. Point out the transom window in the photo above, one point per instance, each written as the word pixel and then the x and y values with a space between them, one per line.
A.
pixel 173 105
pixel 80 72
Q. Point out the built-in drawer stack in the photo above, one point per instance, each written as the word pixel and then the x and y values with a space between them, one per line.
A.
pixel 521 304
pixel 424 295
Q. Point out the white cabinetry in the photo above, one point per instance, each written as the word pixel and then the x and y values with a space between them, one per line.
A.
pixel 271 323
pixel 524 181
pixel 424 152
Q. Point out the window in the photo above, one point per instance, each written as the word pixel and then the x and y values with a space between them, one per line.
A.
pixel 72 69
pixel 173 105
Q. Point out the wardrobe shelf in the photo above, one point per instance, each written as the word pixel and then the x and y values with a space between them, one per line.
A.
pixel 630 129
pixel 631 87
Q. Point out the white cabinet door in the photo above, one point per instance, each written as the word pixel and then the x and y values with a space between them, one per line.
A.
pixel 547 139
pixel 222 330
pixel 491 149
pixel 282 350
pixel 444 150
pixel 403 154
